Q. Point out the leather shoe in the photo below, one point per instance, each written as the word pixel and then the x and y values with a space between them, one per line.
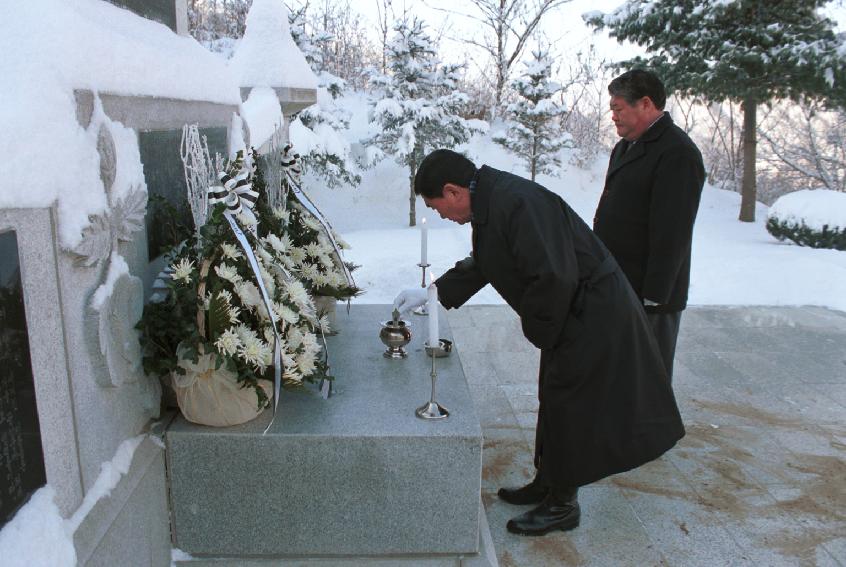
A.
pixel 554 513
pixel 532 493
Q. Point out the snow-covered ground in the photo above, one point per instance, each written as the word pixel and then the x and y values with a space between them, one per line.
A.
pixel 734 263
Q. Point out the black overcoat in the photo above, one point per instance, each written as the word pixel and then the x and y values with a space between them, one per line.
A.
pixel 646 213
pixel 606 404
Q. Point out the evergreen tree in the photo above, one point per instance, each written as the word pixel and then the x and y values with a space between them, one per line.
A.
pixel 421 109
pixel 748 51
pixel 326 150
pixel 535 131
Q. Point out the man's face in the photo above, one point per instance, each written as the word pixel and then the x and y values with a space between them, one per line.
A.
pixel 631 120
pixel 453 205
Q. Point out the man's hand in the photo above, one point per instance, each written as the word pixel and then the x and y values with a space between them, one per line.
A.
pixel 410 298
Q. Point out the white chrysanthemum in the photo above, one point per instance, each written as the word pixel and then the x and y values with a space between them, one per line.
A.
pixel 291 376
pixel 309 271
pixel 249 294
pixel 288 360
pixel 324 324
pixel 312 224
pixel 234 313
pixel 230 251
pixel 320 280
pixel 310 342
pixel 295 338
pixel 298 255
pixel 263 255
pixel 286 241
pixel 342 244
pixel 267 279
pixel 182 270
pixel 255 351
pixel 228 273
pixel 326 260
pixel 228 342
pixel 298 294
pixel 269 337
pixel 225 295
pixel 276 243
pixel 314 249
pixel 288 262
pixel 286 313
pixel 245 333
pixel 305 363
pixel 282 214
pixel 246 220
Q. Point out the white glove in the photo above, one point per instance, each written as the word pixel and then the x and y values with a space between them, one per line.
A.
pixel 410 298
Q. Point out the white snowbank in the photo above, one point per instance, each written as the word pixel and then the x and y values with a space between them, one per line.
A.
pixel 814 208
pixel 262 113
pixel 38 536
pixel 267 54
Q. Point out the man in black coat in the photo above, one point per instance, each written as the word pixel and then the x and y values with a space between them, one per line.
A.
pixel 646 213
pixel 606 404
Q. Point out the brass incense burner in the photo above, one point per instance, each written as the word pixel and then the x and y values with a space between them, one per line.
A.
pixel 395 334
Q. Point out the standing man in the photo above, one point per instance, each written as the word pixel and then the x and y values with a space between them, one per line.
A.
pixel 646 213
pixel 606 404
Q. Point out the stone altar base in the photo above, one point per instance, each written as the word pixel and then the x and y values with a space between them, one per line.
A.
pixel 356 479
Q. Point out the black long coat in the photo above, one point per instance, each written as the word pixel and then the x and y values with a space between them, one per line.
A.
pixel 646 213
pixel 606 404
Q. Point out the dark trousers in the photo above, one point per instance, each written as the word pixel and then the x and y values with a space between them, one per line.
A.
pixel 666 329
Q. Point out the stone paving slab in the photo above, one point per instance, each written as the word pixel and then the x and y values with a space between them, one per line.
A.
pixel 759 479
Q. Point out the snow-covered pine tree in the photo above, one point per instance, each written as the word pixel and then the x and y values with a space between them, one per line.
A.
pixel 318 130
pixel 421 110
pixel 747 51
pixel 534 122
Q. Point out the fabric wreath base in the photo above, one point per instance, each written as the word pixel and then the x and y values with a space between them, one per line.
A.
pixel 215 397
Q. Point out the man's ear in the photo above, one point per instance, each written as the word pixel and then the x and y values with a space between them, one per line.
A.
pixel 452 189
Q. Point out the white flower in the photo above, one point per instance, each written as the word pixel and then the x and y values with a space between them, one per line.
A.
pixel 230 251
pixel 295 338
pixel 286 313
pixel 298 255
pixel 246 219
pixel 182 270
pixel 249 294
pixel 323 324
pixel 291 376
pixel 234 313
pixel 264 255
pixel 228 273
pixel 342 244
pixel 312 224
pixel 310 342
pixel 245 333
pixel 228 342
pixel 298 294
pixel 267 279
pixel 305 363
pixel 326 260
pixel 276 243
pixel 225 295
pixel 314 249
pixel 309 271
pixel 256 352
pixel 282 214
pixel 320 280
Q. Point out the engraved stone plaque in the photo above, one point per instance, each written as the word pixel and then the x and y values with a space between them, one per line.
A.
pixel 21 455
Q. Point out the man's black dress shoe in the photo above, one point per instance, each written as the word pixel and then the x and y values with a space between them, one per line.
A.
pixel 554 513
pixel 532 493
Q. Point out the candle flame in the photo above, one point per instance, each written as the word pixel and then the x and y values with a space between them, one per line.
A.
pixel 423 220
pixel 431 277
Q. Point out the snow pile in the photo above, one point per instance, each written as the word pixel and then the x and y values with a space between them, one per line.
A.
pixel 814 208
pixel 52 47
pixel 263 114
pixel 267 54
pixel 38 536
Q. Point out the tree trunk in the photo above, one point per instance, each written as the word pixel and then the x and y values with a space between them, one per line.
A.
pixel 748 189
pixel 412 198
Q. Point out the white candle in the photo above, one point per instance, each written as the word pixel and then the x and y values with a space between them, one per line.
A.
pixel 424 245
pixel 432 306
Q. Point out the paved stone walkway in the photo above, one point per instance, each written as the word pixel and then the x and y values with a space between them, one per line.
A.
pixel 760 478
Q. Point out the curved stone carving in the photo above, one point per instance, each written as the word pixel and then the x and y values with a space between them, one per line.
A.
pixel 108 157
pixel 118 315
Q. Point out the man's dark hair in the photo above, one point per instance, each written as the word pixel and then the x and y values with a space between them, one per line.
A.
pixel 633 85
pixel 439 168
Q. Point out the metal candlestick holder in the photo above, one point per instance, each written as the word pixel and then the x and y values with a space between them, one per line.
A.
pixel 432 409
pixel 422 310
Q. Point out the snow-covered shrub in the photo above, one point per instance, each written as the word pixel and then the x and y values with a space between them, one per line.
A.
pixel 815 218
